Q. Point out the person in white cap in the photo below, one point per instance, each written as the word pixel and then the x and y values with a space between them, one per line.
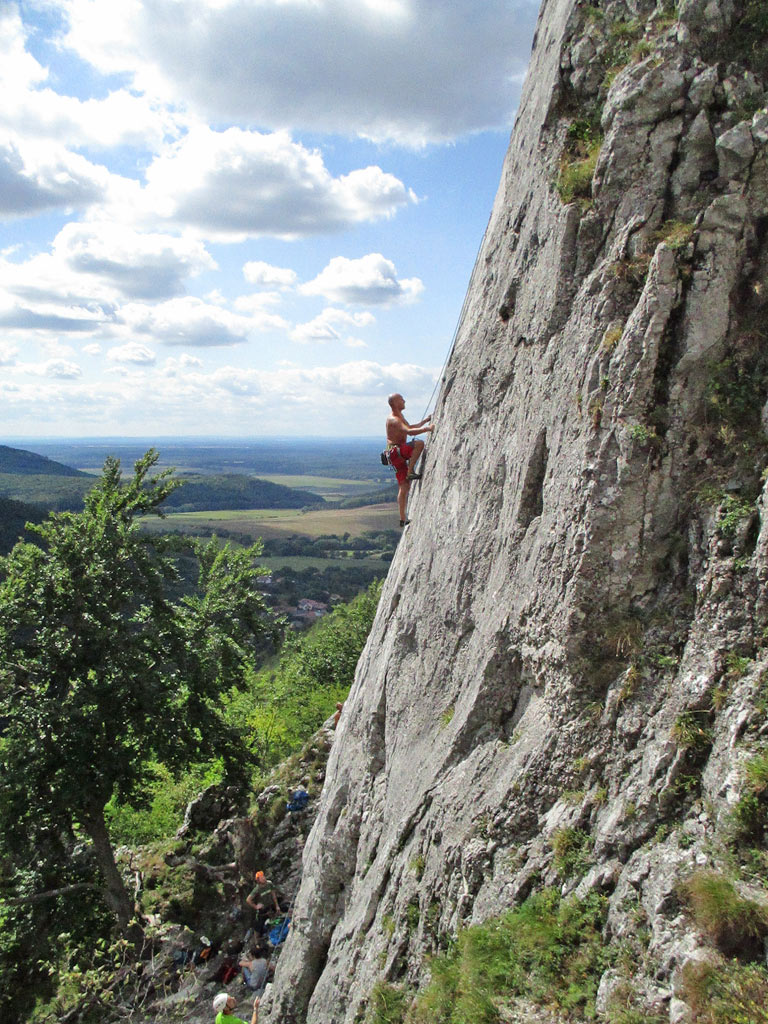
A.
pixel 224 1004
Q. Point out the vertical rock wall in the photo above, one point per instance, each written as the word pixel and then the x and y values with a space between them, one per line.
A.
pixel 586 551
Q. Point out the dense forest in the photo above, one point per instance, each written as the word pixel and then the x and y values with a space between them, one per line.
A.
pixel 14 515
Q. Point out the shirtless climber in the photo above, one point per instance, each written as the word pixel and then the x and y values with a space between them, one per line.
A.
pixel 403 454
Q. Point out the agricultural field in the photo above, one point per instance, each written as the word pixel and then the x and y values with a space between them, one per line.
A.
pixel 330 488
pixel 298 563
pixel 275 523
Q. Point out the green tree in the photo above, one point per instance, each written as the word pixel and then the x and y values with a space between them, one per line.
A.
pixel 102 673
pixel 283 704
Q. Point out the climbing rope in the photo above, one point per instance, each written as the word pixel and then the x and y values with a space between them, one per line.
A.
pixel 440 377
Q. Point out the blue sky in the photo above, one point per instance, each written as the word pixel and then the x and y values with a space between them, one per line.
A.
pixel 242 217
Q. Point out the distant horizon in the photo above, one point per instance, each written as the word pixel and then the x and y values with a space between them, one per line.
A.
pixel 182 438
pixel 268 243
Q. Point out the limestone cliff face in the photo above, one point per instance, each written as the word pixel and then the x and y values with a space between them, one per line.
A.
pixel 587 558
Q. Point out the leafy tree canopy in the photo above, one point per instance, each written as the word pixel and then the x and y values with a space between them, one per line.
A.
pixel 102 673
pixel 282 704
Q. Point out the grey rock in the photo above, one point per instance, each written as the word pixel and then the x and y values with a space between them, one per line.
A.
pixel 209 807
pixel 702 90
pixel 561 611
pixel 697 157
pixel 735 150
pixel 679 1012
pixel 708 17
pixel 760 127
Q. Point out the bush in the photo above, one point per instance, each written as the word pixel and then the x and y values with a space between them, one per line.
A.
pixel 734 924
pixel 571 847
pixel 387 1004
pixel 750 815
pixel 549 950
pixel 163 812
pixel 727 993
pixel 576 172
pixel 279 707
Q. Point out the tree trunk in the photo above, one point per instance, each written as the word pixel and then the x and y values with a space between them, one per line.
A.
pixel 115 893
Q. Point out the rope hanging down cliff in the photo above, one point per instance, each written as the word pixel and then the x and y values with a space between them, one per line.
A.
pixel 440 379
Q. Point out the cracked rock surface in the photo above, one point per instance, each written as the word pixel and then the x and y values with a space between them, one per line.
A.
pixel 588 549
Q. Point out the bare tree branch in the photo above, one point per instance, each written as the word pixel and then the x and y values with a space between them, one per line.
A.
pixel 39 897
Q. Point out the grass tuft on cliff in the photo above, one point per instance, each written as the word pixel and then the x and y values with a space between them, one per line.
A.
pixel 733 923
pixel 549 950
pixel 726 993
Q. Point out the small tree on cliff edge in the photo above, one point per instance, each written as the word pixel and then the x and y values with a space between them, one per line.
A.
pixel 101 672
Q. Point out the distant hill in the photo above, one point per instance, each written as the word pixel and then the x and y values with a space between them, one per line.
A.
pixel 205 493
pixel 46 490
pixel 345 458
pixel 24 463
pixel 13 516
pixel 27 477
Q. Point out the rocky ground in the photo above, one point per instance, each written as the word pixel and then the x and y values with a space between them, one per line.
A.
pixel 194 887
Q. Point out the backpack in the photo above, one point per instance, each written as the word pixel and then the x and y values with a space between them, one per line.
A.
pixel 279 930
pixel 298 800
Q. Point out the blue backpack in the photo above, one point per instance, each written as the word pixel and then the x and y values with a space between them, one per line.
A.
pixel 298 800
pixel 279 930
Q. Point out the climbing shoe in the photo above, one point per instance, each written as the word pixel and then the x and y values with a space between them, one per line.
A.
pixel 404 522
pixel 414 476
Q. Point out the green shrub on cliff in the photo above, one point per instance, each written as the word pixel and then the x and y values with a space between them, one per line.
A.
pixel 548 950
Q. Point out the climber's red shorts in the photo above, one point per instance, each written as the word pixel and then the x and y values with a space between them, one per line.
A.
pixel 399 458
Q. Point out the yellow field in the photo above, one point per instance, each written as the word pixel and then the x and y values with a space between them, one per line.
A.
pixel 270 523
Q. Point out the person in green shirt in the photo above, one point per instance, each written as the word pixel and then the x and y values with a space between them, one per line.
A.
pixel 260 892
pixel 224 1004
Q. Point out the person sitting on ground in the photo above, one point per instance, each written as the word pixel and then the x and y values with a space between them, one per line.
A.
pixel 261 891
pixel 255 967
pixel 404 455
pixel 224 1004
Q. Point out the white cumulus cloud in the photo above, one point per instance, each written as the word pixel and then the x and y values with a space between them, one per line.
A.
pixel 138 266
pixel 410 70
pixel 260 273
pixel 186 321
pixel 37 177
pixel 60 369
pixel 132 352
pixel 370 280
pixel 327 327
pixel 235 184
pixel 33 109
